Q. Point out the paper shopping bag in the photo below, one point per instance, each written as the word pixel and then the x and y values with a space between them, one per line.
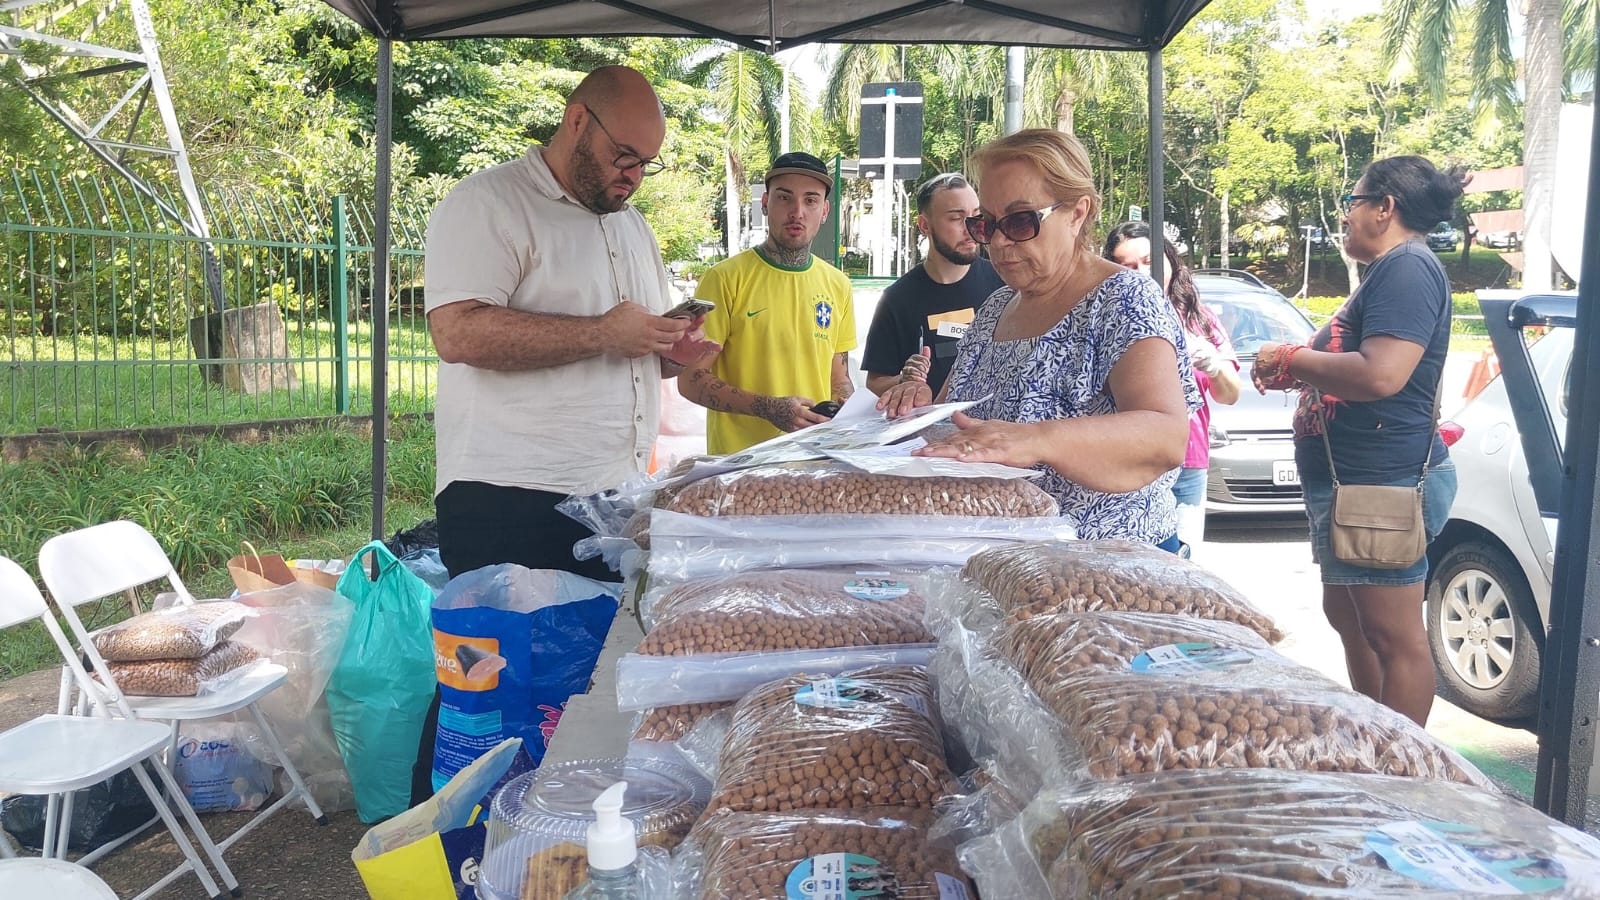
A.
pixel 253 571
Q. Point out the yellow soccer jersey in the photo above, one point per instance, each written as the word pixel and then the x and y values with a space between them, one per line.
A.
pixel 779 329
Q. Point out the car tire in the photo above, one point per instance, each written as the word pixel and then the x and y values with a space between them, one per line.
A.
pixel 1480 614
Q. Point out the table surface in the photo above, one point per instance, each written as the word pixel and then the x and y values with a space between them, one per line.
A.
pixel 590 726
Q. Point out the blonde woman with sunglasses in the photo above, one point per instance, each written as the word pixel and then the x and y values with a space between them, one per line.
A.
pixel 1077 362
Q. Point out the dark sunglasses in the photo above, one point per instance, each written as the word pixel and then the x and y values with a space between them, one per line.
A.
pixel 1017 227
pixel 1348 201
pixel 624 160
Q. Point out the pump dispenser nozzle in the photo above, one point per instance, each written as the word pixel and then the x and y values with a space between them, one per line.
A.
pixel 612 842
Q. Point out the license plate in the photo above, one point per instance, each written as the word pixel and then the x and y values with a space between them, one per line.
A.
pixel 1284 471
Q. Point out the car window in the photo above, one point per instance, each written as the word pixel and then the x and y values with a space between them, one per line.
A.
pixel 1552 360
pixel 1254 318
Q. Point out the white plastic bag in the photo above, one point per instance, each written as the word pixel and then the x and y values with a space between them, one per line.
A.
pixel 217 770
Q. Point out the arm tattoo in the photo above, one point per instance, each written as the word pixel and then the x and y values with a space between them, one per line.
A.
pixel 716 393
pixel 843 387
pixel 775 410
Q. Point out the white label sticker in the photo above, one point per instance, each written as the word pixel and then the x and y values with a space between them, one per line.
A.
pixel 952 329
pixel 1190 658
pixel 876 588
pixel 951 888
pixel 1463 858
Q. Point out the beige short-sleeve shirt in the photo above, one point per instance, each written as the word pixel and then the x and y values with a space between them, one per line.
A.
pixel 511 236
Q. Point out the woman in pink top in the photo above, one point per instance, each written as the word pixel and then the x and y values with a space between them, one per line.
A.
pixel 1216 368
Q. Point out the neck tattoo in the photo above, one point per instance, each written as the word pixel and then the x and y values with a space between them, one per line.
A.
pixel 784 256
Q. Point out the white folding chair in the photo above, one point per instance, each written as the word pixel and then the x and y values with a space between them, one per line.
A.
pixel 53 878
pixel 56 754
pixel 86 565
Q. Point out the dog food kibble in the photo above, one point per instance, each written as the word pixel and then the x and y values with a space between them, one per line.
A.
pixel 1272 834
pixel 787 610
pixel 832 488
pixel 671 723
pixel 185 631
pixel 1065 645
pixel 865 738
pixel 864 853
pixel 180 677
pixel 1111 575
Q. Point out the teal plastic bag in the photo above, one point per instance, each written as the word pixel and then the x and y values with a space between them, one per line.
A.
pixel 380 689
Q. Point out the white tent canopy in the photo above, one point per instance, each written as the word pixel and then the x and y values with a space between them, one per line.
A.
pixel 770 25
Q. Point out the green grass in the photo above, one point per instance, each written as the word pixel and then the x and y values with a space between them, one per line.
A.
pixel 85 382
pixel 307 494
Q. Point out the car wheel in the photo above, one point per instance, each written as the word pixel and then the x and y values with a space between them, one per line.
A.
pixel 1478 610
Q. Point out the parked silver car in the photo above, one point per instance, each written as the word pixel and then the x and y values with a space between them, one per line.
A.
pixel 1252 442
pixel 1489 583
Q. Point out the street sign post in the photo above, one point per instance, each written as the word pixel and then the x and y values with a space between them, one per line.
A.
pixel 891 150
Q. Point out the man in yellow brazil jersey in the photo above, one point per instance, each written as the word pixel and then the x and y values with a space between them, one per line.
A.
pixel 783 317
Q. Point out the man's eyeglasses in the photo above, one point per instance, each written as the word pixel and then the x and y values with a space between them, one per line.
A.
pixel 1017 227
pixel 1348 201
pixel 624 160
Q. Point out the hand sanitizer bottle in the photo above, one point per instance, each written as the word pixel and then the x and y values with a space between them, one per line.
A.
pixel 613 851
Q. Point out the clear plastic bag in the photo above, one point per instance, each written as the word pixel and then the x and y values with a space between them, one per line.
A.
pixel 301 627
pixel 647 681
pixel 1268 833
pixel 1255 712
pixel 684 547
pixel 666 724
pixel 787 610
pixel 826 487
pixel 181 631
pixel 1062 646
pixel 869 737
pixel 183 677
pixel 1109 575
pixel 860 853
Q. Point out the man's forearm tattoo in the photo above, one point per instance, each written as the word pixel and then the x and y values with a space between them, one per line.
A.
pixel 715 393
pixel 775 410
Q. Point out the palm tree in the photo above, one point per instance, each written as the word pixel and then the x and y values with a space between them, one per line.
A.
pixel 1059 79
pixel 1423 32
pixel 747 88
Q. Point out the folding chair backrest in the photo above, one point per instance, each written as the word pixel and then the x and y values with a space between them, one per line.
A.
pixel 95 562
pixel 20 599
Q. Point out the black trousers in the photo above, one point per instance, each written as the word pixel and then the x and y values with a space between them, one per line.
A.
pixel 486 524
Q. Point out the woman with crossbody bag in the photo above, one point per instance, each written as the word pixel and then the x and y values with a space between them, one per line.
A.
pixel 1377 480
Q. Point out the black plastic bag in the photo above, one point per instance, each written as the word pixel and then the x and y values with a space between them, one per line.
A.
pixel 422 536
pixel 101 813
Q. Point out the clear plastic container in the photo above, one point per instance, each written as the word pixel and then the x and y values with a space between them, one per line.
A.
pixel 538 823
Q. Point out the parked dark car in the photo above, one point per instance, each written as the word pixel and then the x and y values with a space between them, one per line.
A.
pixel 1444 238
pixel 1252 442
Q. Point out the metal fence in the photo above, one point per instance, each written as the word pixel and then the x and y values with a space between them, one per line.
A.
pixel 106 306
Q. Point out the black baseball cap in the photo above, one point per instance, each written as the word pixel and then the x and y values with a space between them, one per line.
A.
pixel 800 164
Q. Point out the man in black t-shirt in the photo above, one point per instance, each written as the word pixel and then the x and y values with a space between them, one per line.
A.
pixel 931 305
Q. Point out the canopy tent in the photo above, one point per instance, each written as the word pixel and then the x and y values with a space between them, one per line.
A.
pixel 1567 722
pixel 772 26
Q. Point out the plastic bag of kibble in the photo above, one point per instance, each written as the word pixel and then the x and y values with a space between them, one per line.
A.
pixel 1063 646
pixel 1110 576
pixel 870 737
pixel 867 853
pixel 1269 833
pixel 182 631
pixel 828 487
pixel 788 610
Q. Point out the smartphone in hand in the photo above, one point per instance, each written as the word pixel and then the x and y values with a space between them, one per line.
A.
pixel 690 309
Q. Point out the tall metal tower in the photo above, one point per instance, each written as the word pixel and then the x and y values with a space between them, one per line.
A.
pixel 56 42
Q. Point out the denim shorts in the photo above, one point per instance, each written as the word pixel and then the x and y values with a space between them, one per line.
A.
pixel 1190 488
pixel 1438 492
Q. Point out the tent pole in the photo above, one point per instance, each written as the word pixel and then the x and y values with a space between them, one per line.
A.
pixel 1158 259
pixel 380 285
pixel 1569 692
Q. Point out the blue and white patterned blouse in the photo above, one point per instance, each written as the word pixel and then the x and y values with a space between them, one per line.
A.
pixel 1065 374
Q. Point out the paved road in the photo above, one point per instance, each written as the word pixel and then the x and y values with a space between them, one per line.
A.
pixel 1270 561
